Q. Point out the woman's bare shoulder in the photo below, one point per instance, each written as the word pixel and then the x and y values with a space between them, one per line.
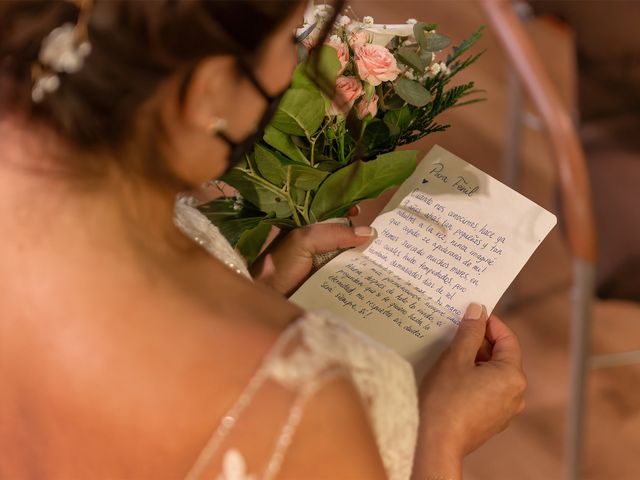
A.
pixel 127 382
pixel 334 438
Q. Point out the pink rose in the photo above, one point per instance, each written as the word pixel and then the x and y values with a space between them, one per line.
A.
pixel 343 54
pixel 376 64
pixel 368 106
pixel 358 38
pixel 348 90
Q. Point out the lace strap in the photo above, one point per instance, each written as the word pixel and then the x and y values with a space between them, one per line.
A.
pixel 190 221
pixel 309 353
pixel 231 418
pixel 289 428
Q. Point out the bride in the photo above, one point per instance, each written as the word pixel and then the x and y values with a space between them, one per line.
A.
pixel 129 350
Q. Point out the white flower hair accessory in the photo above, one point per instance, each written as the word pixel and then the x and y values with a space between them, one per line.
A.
pixel 62 51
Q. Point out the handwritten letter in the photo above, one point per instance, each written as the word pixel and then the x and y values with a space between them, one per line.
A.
pixel 451 235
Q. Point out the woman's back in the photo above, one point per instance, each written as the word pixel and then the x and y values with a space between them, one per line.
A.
pixel 128 374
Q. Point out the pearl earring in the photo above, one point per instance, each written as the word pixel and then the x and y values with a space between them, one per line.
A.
pixel 216 126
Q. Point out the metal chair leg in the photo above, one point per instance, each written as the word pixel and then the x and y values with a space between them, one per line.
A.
pixel 583 293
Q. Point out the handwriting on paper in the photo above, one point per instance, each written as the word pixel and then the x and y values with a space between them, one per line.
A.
pixel 442 252
pixel 364 288
pixel 457 182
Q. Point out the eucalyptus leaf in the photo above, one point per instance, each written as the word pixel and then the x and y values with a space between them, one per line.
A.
pixel 283 143
pixel 268 199
pixel 300 112
pixel 427 39
pixel 437 42
pixel 420 32
pixel 359 181
pixel 410 56
pixel 394 102
pixel 427 57
pixel 412 92
pixel 252 240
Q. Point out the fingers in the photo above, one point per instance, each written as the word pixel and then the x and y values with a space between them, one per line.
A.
pixel 354 211
pixel 322 238
pixel 484 353
pixel 470 334
pixel 506 347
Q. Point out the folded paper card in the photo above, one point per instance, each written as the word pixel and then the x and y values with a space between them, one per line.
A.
pixel 451 235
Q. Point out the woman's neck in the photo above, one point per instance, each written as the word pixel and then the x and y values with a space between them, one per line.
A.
pixel 43 203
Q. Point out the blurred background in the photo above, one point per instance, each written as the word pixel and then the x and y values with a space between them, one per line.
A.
pixel 590 49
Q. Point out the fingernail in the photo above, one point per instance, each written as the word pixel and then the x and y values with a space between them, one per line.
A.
pixel 358 209
pixel 474 312
pixel 364 231
pixel 341 220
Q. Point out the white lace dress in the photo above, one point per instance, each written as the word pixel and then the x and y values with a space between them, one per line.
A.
pixel 313 350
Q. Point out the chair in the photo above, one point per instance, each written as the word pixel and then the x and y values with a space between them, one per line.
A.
pixel 575 195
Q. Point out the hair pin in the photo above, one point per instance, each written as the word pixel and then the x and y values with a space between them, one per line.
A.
pixel 63 50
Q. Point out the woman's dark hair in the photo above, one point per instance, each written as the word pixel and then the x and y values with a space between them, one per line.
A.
pixel 135 45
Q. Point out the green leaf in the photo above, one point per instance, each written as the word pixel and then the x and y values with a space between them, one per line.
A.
pixel 398 120
pixel 269 199
pixel 283 143
pixel 329 165
pixel 420 32
pixel 465 45
pixel 232 223
pixel 409 56
pixel 305 178
pixel 430 42
pixel 412 92
pixel 427 57
pixel 252 240
pixel 300 112
pixel 301 80
pixel 394 102
pixel 437 42
pixel 269 165
pixel 376 134
pixel 322 68
pixel 360 181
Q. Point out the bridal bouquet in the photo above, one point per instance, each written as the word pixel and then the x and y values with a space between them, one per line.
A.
pixel 314 162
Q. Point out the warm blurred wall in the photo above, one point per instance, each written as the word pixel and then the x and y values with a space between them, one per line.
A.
pixel 608 47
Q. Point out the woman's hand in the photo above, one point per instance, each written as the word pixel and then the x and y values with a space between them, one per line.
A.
pixel 471 394
pixel 287 263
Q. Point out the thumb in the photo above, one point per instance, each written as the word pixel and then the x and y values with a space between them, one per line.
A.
pixel 470 334
pixel 327 237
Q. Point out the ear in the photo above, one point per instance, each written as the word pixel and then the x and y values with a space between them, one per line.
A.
pixel 211 82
